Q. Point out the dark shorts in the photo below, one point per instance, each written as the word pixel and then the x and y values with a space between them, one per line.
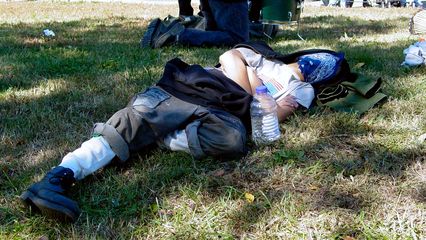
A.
pixel 153 114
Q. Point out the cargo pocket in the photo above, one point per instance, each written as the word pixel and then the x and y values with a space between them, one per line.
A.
pixel 150 98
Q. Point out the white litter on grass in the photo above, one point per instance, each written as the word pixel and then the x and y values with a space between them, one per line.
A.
pixel 48 33
pixel 422 138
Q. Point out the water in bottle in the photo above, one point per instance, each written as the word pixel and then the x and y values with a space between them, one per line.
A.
pixel 264 119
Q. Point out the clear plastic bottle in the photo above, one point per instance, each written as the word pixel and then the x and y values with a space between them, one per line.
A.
pixel 264 119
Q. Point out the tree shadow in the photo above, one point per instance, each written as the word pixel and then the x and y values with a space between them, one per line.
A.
pixel 78 52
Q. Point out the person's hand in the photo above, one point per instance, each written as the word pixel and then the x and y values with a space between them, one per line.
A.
pixel 286 106
pixel 288 101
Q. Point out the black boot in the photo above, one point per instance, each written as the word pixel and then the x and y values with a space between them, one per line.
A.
pixel 151 32
pixel 47 196
pixel 169 35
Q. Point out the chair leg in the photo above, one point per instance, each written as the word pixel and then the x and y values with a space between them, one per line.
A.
pixel 298 31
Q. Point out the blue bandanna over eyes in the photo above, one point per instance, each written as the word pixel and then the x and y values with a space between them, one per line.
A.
pixel 319 67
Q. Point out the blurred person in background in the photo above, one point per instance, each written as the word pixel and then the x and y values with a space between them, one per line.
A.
pixel 226 24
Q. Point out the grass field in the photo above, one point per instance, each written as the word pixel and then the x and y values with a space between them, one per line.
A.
pixel 332 175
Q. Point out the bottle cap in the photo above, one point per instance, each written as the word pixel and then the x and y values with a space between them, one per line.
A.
pixel 261 89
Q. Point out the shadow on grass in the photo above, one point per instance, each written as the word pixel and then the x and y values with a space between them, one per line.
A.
pixel 80 51
pixel 133 196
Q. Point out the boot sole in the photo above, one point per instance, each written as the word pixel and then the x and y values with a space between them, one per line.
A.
pixel 47 208
pixel 174 30
pixel 151 31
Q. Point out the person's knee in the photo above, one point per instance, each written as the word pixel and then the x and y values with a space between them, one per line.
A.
pixel 225 56
pixel 229 56
pixel 230 143
pixel 220 137
pixel 235 141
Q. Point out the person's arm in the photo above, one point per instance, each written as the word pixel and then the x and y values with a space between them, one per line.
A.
pixel 235 67
pixel 253 79
pixel 285 107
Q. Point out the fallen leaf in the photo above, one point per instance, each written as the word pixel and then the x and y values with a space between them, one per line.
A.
pixel 422 138
pixel 249 197
pixel 359 65
pixel 348 238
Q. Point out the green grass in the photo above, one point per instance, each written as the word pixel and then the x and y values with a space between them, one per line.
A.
pixel 332 175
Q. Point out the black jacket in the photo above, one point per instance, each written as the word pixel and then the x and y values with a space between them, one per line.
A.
pixel 208 88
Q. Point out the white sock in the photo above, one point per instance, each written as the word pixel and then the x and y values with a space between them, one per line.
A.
pixel 93 154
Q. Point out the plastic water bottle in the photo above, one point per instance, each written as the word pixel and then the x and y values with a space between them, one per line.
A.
pixel 264 119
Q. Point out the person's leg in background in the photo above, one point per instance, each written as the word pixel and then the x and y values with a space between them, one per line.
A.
pixel 186 12
pixel 227 26
pixel 418 3
pixel 208 15
pixel 156 26
pixel 333 2
pixel 254 11
pixel 185 8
